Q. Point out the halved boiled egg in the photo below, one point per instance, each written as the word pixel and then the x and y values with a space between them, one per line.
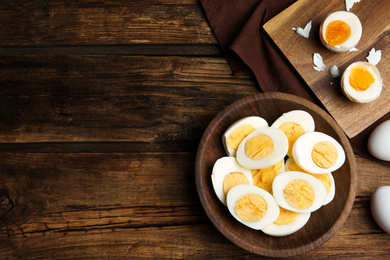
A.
pixel 287 223
pixel 294 124
pixel 263 178
pixel 252 206
pixel 262 148
pixel 298 192
pixel 239 130
pixel 341 31
pixel 326 179
pixel 226 174
pixel 317 152
pixel 361 82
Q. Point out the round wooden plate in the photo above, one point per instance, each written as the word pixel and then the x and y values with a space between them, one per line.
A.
pixel 323 224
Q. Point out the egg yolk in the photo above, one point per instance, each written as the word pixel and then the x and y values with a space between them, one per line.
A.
pixel 259 147
pixel 250 207
pixel 263 178
pixel 360 78
pixel 292 131
pixel 233 179
pixel 238 135
pixel 324 154
pixel 299 194
pixel 323 178
pixel 337 32
pixel 286 217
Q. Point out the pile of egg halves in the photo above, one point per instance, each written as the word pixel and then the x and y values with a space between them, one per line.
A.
pixel 274 177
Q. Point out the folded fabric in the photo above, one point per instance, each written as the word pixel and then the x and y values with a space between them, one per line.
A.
pixel 238 28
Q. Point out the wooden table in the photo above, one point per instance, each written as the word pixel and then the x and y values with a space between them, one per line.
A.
pixel 103 104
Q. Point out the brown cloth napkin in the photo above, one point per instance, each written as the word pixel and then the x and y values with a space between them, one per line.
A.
pixel 238 27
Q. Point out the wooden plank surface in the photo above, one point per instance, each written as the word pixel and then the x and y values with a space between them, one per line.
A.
pixel 115 205
pixel 117 22
pixel 103 104
pixel 65 98
pixel 352 117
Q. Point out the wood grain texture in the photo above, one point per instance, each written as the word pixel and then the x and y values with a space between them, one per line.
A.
pixel 352 117
pixel 103 22
pixel 59 98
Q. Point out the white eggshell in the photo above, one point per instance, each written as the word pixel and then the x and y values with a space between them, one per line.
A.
pixel 379 142
pixel 380 207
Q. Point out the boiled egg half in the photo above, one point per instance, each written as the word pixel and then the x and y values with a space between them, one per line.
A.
pixel 319 153
pixel 226 174
pixel 263 178
pixel 263 148
pixel 252 206
pixel 341 31
pixel 361 82
pixel 239 130
pixel 326 179
pixel 298 192
pixel 294 124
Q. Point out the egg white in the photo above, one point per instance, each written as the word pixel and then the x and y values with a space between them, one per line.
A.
pixel 255 121
pixel 283 179
pixel 272 207
pixel 284 230
pixel 372 93
pixel 303 147
pixel 299 117
pixel 223 167
pixel 280 144
pixel 330 195
pixel 356 30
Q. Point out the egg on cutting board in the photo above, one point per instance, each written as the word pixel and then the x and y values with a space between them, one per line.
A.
pixel 361 82
pixel 341 31
pixel 380 207
pixel 378 143
pixel 239 130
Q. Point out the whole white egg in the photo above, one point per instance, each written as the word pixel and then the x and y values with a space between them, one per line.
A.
pixel 240 129
pixel 237 201
pixel 294 123
pixel 279 230
pixel 317 152
pixel 361 82
pixel 379 142
pixel 380 207
pixel 298 192
pixel 262 148
pixel 341 31
pixel 224 167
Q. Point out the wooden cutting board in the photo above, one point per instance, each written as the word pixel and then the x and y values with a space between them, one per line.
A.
pixel 375 18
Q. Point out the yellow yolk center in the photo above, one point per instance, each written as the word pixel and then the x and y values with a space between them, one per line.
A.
pixel 238 135
pixel 324 154
pixel 299 194
pixel 286 217
pixel 250 207
pixel 233 179
pixel 323 178
pixel 360 78
pixel 264 178
pixel 337 32
pixel 292 131
pixel 259 147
